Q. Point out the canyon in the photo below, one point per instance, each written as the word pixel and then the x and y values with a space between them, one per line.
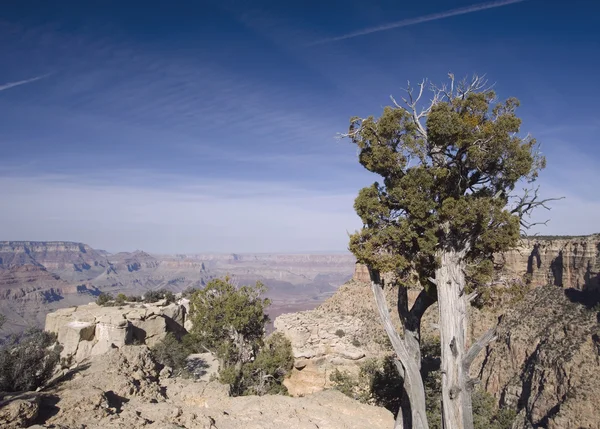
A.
pixel 40 277
pixel 544 364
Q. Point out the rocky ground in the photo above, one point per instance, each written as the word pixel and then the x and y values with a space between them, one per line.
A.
pixel 124 389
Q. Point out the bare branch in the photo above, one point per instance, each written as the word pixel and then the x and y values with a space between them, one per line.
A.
pixel 470 297
pixel 479 345
pixel 527 203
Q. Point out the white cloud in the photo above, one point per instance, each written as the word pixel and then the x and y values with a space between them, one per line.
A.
pixel 420 19
pixel 21 82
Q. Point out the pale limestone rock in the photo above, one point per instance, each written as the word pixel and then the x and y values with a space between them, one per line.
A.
pixel 108 336
pixel 92 330
pixel 73 333
pixel 155 328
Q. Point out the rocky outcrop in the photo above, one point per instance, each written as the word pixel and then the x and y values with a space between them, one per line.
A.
pixel 91 330
pixel 546 362
pixel 565 262
pixel 340 334
pixel 125 389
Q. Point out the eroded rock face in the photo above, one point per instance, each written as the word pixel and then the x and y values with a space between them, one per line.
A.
pixel 546 362
pixel 124 389
pixel 91 330
pixel 339 335
pixel 568 263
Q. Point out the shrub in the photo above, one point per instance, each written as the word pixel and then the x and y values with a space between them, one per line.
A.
pixel 230 321
pixel 340 333
pixel 355 342
pixel 172 353
pixel 121 298
pixel 28 360
pixel 157 295
pixel 104 299
pixel 266 373
pixel 188 292
pixel 377 383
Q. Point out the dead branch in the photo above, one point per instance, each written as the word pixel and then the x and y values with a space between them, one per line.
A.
pixel 479 345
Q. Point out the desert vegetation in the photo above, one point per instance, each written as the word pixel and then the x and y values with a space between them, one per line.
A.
pixel 378 383
pixel 28 360
pixel 229 322
pixel 107 300
pixel 446 204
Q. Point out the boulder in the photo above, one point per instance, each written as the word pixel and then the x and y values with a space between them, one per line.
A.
pixel 20 411
pixel 91 330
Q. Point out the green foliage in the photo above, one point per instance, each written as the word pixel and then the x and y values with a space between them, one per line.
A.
pixel 265 374
pixel 156 295
pixel 28 360
pixel 172 353
pixel 120 299
pixel 377 383
pixel 446 183
pixel 188 292
pixel 340 333
pixel 230 322
pixel 104 299
pixel 486 414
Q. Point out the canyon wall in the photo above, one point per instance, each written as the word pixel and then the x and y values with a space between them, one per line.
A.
pixel 38 277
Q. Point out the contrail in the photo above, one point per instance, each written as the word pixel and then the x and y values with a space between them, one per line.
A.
pixel 21 82
pixel 418 20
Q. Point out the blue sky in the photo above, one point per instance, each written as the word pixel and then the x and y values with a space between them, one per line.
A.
pixel 187 126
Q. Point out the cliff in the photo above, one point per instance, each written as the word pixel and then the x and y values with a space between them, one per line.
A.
pixel 39 277
pixel 546 362
pixel 565 262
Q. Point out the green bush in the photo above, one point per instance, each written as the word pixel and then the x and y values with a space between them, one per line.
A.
pixel 156 295
pixel 266 373
pixel 230 322
pixel 172 353
pixel 120 299
pixel 340 333
pixel 104 299
pixel 377 383
pixel 28 360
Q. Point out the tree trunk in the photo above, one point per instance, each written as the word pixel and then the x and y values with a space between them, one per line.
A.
pixel 413 383
pixel 452 301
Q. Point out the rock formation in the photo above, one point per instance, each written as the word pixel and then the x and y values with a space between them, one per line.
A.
pixel 340 334
pixel 565 262
pixel 125 389
pixel 91 330
pixel 38 277
pixel 546 362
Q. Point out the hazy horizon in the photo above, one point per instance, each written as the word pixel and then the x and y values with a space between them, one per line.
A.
pixel 212 125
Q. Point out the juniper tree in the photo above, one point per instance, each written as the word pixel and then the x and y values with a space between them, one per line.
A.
pixel 229 321
pixel 446 203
